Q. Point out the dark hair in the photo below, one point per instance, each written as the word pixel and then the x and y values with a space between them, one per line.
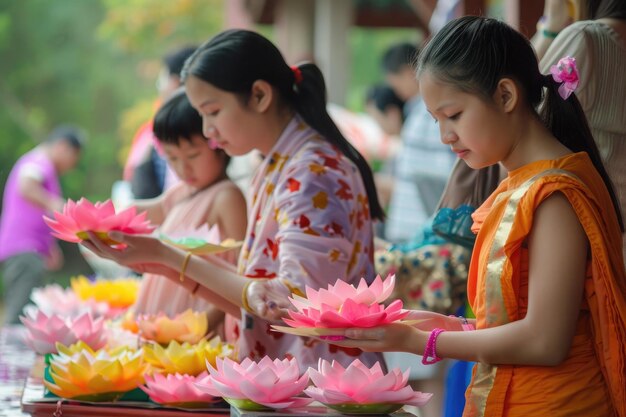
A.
pixel 233 60
pixel 74 136
pixel 176 120
pixel 475 53
pixel 598 9
pixel 399 56
pixel 175 60
pixel 383 96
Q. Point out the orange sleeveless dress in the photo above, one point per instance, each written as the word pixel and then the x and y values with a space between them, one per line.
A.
pixel 592 380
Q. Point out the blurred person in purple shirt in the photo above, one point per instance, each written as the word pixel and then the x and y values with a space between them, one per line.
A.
pixel 33 190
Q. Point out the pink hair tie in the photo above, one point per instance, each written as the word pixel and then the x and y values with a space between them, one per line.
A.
pixel 566 73
pixel 430 352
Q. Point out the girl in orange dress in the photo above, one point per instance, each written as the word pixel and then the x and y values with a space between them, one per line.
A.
pixel 546 280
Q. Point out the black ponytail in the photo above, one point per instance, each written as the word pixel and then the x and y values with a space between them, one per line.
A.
pixel 233 60
pixel 310 103
pixel 474 53
pixel 567 121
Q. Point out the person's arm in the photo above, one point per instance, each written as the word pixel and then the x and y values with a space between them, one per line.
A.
pixel 32 190
pixel 158 207
pixel 220 286
pixel 153 208
pixel 231 209
pixel 423 9
pixel 555 18
pixel 558 250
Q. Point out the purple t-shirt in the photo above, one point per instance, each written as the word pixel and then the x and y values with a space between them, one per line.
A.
pixel 22 228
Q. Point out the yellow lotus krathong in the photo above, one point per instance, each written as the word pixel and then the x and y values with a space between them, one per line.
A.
pixel 117 293
pixel 186 358
pixel 80 373
pixel 190 327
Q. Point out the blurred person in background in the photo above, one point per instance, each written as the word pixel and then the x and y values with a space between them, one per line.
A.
pixel 423 164
pixel 387 109
pixel 32 190
pixel 384 105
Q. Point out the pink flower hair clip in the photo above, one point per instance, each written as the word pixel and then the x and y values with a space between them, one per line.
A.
pixel 566 73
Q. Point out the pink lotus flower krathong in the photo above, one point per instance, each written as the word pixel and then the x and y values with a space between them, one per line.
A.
pixel 359 385
pixel 43 331
pixel 565 72
pixel 342 305
pixel 178 390
pixel 82 216
pixel 251 385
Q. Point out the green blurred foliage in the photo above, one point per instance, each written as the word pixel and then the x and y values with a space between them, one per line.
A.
pixel 146 26
pixel 56 70
pixel 153 29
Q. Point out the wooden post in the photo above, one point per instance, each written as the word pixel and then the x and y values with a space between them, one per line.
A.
pixel 333 19
pixel 294 24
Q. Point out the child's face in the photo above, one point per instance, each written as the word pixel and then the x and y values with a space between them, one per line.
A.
pixel 226 122
pixel 194 162
pixel 475 129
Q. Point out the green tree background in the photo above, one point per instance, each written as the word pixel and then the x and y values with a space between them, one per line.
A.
pixel 94 63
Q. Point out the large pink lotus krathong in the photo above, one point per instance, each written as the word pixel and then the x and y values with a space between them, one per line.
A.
pixel 257 386
pixel 177 390
pixel 358 389
pixel 43 331
pixel 343 305
pixel 82 216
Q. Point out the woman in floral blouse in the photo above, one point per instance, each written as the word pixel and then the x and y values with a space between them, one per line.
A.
pixel 311 203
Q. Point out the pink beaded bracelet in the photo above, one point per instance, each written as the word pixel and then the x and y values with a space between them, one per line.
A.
pixel 430 352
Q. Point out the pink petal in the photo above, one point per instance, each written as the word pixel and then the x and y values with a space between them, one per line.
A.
pixel 256 393
pixel 388 286
pixel 419 399
pixel 353 379
pixel 336 397
pixel 377 386
pixel 86 220
pixel 320 380
pixel 297 402
pixel 226 390
pixel 404 396
pixel 316 393
pixel 208 389
pixel 265 380
pixel 289 388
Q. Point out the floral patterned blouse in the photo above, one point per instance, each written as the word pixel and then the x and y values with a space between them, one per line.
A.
pixel 309 222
